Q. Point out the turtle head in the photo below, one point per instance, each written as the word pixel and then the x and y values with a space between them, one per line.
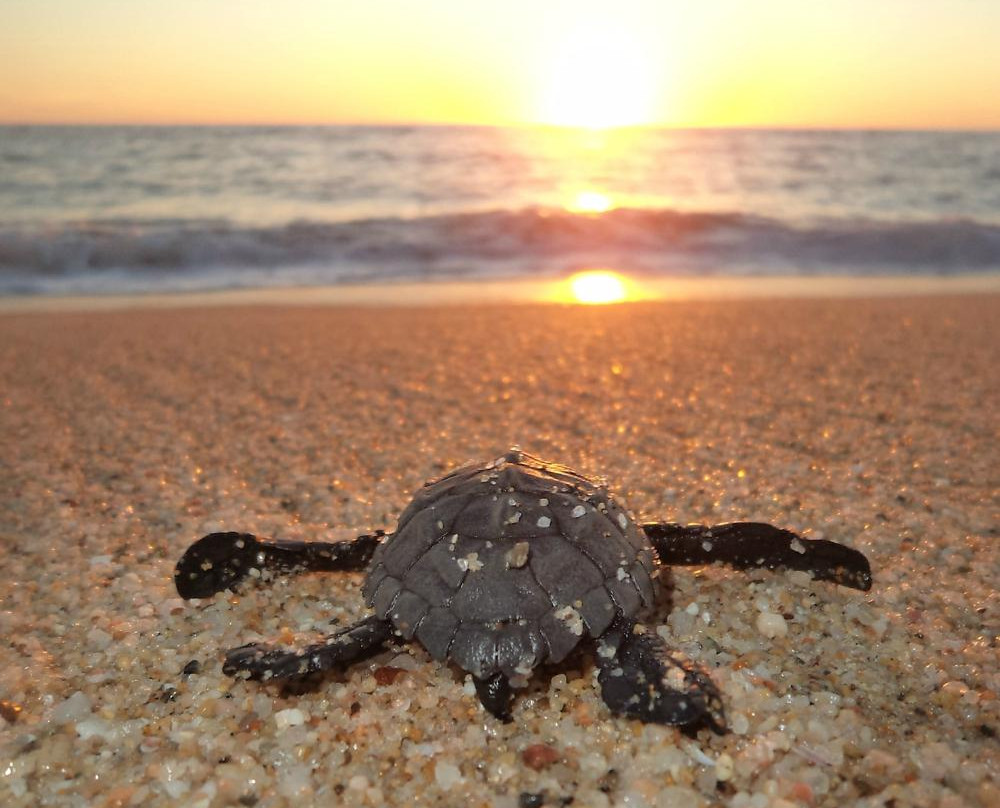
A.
pixel 512 455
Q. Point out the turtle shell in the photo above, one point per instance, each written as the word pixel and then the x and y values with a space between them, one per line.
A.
pixel 502 566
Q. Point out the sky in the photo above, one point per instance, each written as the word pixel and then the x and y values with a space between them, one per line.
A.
pixel 826 63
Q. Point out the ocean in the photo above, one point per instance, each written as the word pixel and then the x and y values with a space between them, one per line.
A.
pixel 104 210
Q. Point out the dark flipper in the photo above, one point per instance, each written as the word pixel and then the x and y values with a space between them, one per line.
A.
pixel 494 693
pixel 341 648
pixel 221 560
pixel 642 679
pixel 745 545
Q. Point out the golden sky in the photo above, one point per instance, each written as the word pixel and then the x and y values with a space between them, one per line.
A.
pixel 815 63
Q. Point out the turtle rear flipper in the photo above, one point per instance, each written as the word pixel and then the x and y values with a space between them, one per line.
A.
pixel 643 679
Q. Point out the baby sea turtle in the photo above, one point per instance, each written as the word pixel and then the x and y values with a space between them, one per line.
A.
pixel 500 567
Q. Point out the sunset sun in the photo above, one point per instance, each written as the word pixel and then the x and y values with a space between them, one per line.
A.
pixel 599 77
pixel 590 202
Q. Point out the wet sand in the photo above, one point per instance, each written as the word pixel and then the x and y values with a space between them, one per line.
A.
pixel 464 293
pixel 128 434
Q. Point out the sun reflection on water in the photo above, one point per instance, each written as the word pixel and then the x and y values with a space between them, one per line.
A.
pixel 598 286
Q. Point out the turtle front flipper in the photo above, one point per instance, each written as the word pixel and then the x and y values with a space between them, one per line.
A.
pixel 745 545
pixel 220 561
pixel 341 648
pixel 641 678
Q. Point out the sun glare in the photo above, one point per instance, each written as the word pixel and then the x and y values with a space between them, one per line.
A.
pixel 598 286
pixel 600 77
pixel 590 202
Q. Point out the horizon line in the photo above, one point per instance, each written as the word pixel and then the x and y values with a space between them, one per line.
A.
pixel 530 125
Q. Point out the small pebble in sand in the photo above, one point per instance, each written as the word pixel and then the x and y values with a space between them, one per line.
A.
pixel 386 674
pixel 723 768
pixel 9 710
pixel 74 708
pixel 739 724
pixel 447 774
pixel 358 783
pixel 539 756
pixel 289 718
pixel 94 728
pixel 771 625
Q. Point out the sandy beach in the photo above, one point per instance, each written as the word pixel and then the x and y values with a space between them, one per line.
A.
pixel 128 434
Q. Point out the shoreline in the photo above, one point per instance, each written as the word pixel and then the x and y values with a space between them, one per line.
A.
pixel 554 291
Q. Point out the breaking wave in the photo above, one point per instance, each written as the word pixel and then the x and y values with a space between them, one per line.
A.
pixel 174 255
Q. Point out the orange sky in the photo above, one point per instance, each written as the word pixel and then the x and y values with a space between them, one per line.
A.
pixel 844 63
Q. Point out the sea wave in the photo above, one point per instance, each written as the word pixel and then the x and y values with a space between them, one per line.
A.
pixel 173 254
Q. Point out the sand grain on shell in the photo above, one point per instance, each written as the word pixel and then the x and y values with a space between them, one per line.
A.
pixel 127 435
